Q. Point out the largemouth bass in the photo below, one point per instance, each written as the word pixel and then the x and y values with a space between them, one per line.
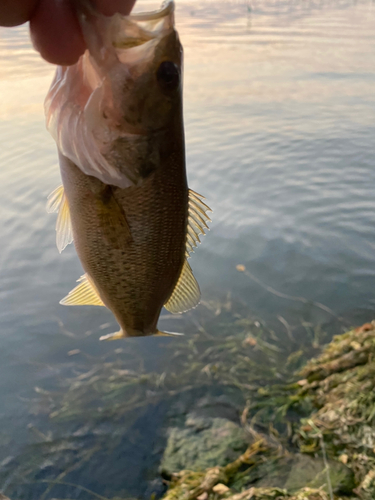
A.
pixel 116 117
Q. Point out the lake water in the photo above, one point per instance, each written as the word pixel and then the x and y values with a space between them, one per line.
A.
pixel 280 125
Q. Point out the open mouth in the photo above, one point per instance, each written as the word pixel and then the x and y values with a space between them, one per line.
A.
pixel 165 10
pixel 137 29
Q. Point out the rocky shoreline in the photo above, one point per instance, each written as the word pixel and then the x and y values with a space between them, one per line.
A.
pixel 328 454
pixel 216 426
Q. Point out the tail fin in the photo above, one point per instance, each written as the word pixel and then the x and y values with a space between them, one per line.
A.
pixel 114 336
pixel 121 335
pixel 168 334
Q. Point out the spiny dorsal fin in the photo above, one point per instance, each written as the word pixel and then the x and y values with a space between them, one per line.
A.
pixel 186 293
pixel 84 294
pixel 197 220
pixel 57 202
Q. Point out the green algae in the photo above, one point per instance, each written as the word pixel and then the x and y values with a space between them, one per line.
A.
pixel 340 383
pixel 202 443
pixel 336 390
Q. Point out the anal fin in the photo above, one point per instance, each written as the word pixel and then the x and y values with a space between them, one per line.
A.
pixel 84 294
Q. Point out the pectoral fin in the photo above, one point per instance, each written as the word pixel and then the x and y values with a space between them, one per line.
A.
pixel 186 293
pixel 112 218
pixel 84 294
pixel 57 202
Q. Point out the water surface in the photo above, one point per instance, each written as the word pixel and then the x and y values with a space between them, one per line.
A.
pixel 280 119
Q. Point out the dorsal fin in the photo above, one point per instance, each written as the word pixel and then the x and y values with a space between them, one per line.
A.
pixel 57 202
pixel 84 294
pixel 186 293
pixel 197 220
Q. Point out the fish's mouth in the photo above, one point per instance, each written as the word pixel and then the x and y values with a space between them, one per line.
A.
pixel 125 32
pixel 166 9
pixel 138 29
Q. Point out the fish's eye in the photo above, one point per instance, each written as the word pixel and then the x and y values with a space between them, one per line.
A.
pixel 168 76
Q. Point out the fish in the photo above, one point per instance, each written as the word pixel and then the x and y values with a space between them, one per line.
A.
pixel 117 119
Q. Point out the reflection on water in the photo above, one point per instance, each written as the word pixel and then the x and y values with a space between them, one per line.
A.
pixel 279 115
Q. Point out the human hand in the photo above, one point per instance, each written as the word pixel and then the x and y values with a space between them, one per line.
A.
pixel 54 27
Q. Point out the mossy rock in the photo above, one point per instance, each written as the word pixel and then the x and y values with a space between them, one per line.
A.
pixel 311 472
pixel 202 443
pixel 297 472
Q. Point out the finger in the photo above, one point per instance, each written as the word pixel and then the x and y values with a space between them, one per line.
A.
pixel 110 7
pixel 14 12
pixel 56 33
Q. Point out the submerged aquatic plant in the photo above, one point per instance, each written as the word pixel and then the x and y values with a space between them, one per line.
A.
pixel 340 383
pixel 337 389
pixel 230 353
